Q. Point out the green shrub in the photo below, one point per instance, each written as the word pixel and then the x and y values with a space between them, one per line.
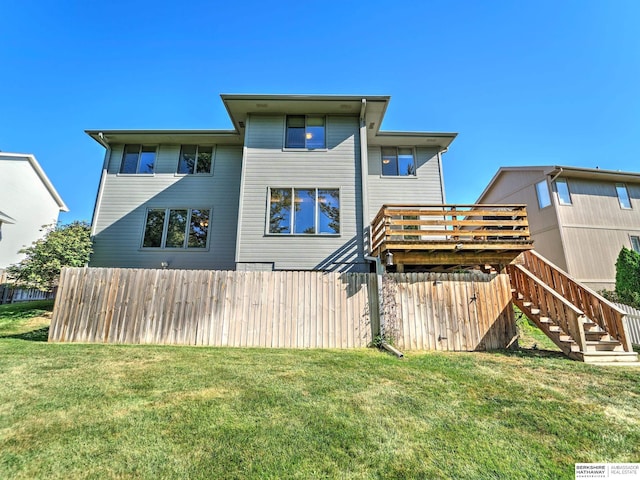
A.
pixel 628 277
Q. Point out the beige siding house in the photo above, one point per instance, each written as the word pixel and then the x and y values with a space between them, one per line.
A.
pixel 28 201
pixel 294 186
pixel 580 218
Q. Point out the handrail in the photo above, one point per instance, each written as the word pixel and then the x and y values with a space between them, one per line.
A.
pixel 596 308
pixel 550 303
pixel 437 222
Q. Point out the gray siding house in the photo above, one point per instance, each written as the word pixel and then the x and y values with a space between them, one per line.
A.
pixel 28 201
pixel 579 218
pixel 293 186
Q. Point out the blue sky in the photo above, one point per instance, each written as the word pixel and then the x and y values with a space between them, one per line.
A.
pixel 544 82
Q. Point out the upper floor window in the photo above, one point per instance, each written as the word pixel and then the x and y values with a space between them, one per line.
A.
pixel 138 159
pixel 305 211
pixel 635 243
pixel 305 132
pixel 398 162
pixel 564 196
pixel 176 228
pixel 623 196
pixel 195 159
pixel 542 189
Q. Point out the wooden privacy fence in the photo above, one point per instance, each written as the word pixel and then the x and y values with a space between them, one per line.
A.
pixel 221 308
pixel 633 322
pixel 450 311
pixel 281 309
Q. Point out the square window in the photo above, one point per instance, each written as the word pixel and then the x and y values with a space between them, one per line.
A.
pixel 305 132
pixel 542 189
pixel 138 159
pixel 176 228
pixel 623 196
pixel 195 159
pixel 398 162
pixel 564 196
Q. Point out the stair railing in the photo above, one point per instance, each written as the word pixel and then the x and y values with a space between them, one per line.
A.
pixel 599 310
pixel 550 303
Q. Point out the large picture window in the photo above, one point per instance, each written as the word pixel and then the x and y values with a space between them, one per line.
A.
pixel 176 228
pixel 305 132
pixel 304 211
pixel 138 159
pixel 195 159
pixel 398 162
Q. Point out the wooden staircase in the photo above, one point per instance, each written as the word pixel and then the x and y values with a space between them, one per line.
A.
pixel 584 325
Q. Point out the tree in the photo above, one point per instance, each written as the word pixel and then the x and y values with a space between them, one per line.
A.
pixel 628 277
pixel 62 246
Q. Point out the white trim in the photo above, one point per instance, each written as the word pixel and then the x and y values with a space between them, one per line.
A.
pixel 98 204
pixel 243 168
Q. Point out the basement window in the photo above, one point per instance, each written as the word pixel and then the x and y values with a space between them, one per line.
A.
pixel 623 196
pixel 542 190
pixel 304 211
pixel 195 159
pixel 564 196
pixel 138 159
pixel 186 228
pixel 305 132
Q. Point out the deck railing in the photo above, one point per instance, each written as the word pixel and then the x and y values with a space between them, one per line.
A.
pixel 596 308
pixel 459 223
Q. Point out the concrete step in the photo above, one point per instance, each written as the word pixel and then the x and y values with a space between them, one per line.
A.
pixel 603 346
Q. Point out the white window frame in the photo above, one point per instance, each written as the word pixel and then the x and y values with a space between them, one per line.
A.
pixel 624 186
pixel 137 172
pixel 292 214
pixel 305 148
pixel 635 243
pixel 413 154
pixel 564 181
pixel 165 226
pixel 195 166
pixel 548 196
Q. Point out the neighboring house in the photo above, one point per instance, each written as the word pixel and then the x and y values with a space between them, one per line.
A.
pixel 28 201
pixel 579 218
pixel 293 186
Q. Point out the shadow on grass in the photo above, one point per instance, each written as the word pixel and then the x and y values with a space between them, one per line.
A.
pixel 39 335
pixel 532 353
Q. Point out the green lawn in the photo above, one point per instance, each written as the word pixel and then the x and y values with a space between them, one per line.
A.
pixel 104 411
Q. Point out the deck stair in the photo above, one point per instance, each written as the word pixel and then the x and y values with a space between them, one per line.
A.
pixel 584 325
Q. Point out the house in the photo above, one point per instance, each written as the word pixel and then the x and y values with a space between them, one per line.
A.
pixel 28 201
pixel 579 218
pixel 293 186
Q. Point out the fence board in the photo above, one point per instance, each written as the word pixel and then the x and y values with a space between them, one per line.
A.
pixel 632 318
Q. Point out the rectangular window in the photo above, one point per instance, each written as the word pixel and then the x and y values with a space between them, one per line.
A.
pixel 623 196
pixel 564 196
pixel 176 228
pixel 635 243
pixel 305 132
pixel 304 211
pixel 542 189
pixel 398 162
pixel 138 159
pixel 195 159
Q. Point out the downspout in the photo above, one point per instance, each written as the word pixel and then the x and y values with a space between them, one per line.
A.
pixel 553 179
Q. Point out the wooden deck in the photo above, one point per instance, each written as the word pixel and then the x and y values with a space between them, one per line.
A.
pixel 449 237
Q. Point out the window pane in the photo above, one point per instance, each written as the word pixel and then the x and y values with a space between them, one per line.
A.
pixel 563 192
pixel 147 160
pixel 280 210
pixel 176 228
pixel 544 200
pixel 305 212
pixel 623 195
pixel 205 155
pixel 295 132
pixel 389 162
pixel 153 228
pixel 130 159
pixel 406 164
pixel 314 134
pixel 187 161
pixel 635 243
pixel 199 228
pixel 329 211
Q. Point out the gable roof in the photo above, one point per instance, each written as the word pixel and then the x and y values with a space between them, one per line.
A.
pixel 41 175
pixel 565 171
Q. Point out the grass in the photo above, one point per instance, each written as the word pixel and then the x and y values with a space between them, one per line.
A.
pixel 108 411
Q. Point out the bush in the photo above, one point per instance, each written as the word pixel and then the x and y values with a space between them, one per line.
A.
pixel 628 277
